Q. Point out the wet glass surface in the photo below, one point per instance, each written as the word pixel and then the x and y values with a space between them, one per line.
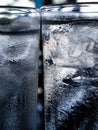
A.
pixel 70 68
pixel 19 52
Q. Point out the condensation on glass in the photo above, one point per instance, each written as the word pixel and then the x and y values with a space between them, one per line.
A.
pixel 70 57
pixel 19 52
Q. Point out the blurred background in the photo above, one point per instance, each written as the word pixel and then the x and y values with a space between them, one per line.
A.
pixel 38 4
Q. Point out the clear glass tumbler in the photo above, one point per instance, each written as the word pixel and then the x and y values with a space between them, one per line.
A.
pixel 19 54
pixel 70 57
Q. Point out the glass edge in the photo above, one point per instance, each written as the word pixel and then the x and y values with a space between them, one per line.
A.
pixel 17 7
pixel 21 8
pixel 67 5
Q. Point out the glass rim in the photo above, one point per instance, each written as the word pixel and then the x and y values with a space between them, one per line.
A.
pixel 68 4
pixel 5 10
pixel 70 12
pixel 20 7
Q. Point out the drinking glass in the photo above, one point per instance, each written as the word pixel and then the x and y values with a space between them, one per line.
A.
pixel 70 59
pixel 19 52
